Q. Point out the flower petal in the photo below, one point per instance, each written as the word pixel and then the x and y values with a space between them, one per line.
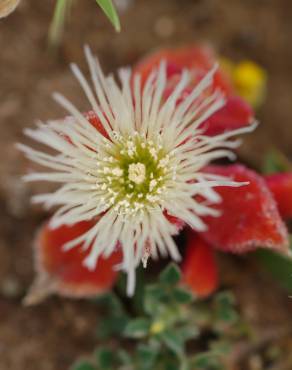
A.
pixel 178 223
pixel 95 121
pixel 199 268
pixel 250 217
pixel 280 185
pixel 63 272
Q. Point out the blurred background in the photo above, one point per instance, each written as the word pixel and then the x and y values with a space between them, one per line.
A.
pixel 51 335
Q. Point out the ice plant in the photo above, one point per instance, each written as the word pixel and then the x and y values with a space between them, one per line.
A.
pixel 252 215
pixel 134 165
pixel 63 272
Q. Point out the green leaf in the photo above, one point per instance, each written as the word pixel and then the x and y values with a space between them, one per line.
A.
pixel 207 360
pixel 111 303
pixel 154 295
pixel 147 356
pixel 182 295
pixel 188 332
pixel 104 358
pixel 110 11
pixel 170 275
pixel 137 328
pixel 112 326
pixel 124 357
pixel 276 161
pixel 173 342
pixel 279 266
pixel 221 346
pixel 225 307
pixel 61 10
pixel 116 318
pixel 171 363
pixel 83 365
pixel 155 292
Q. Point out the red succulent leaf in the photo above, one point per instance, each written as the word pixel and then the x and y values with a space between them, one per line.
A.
pixel 250 217
pixel 280 185
pixel 235 114
pixel 199 59
pixel 199 270
pixel 63 272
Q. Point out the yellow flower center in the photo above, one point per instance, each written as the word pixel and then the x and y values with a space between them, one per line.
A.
pixel 137 173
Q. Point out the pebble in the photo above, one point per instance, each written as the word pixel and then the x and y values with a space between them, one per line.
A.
pixel 10 287
pixel 164 27
pixel 123 5
pixel 7 7
pixel 256 363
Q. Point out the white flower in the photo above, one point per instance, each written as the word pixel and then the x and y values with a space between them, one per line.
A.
pixel 147 166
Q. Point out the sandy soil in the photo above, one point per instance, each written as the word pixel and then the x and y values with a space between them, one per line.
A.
pixel 50 336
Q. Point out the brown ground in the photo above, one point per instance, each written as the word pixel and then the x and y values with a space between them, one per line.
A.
pixel 52 335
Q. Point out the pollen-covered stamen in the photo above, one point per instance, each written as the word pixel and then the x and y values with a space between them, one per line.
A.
pixel 134 173
pixel 137 172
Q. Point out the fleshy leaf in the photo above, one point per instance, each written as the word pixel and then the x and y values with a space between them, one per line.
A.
pixel 280 185
pixel 147 356
pixel 276 161
pixel 199 269
pixel 137 328
pixel 198 58
pixel 235 114
pixel 280 267
pixel 170 275
pixel 153 295
pixel 83 365
pixel 225 308
pixel 173 342
pixel 182 295
pixel 250 217
pixel 63 272
pixel 104 358
pixel 208 360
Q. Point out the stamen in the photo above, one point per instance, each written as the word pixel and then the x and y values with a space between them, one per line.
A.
pixel 137 173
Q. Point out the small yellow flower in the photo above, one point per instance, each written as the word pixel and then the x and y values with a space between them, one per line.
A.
pixel 157 327
pixel 248 78
pixel 250 82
